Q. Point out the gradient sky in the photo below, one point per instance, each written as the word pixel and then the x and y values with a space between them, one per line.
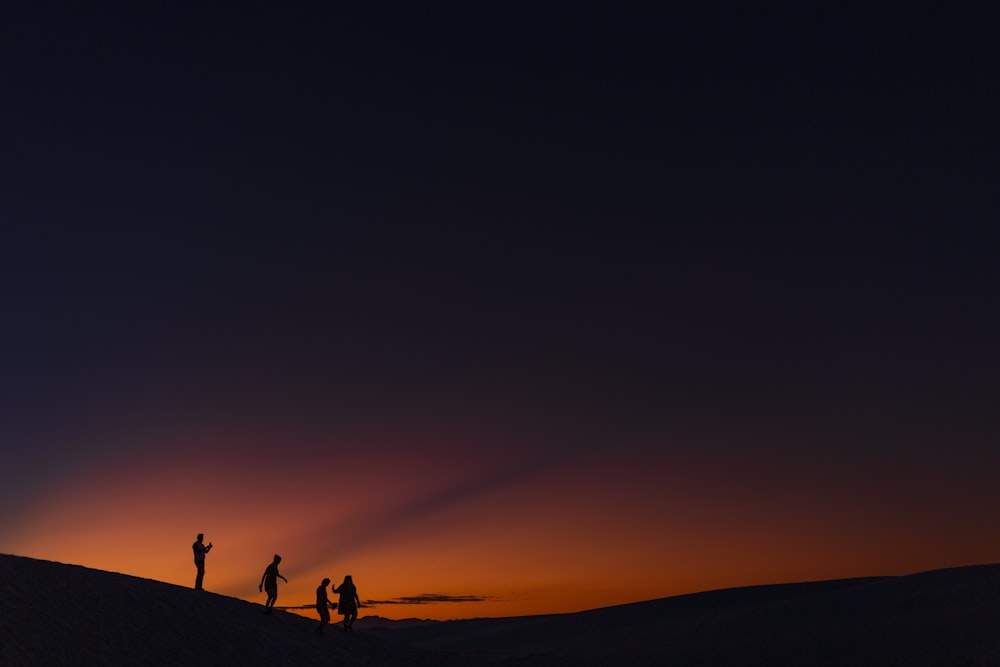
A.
pixel 503 312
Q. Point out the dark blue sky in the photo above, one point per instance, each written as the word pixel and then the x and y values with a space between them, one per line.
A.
pixel 572 218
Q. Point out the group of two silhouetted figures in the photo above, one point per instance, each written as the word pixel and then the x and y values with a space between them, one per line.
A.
pixel 347 605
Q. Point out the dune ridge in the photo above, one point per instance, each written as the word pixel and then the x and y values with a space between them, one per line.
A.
pixel 56 614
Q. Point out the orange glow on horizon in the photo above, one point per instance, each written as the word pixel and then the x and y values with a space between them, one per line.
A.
pixel 588 532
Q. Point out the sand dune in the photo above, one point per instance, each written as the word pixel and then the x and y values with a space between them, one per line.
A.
pixel 946 617
pixel 56 614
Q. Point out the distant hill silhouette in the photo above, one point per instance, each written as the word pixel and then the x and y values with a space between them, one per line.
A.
pixel 942 618
pixel 55 614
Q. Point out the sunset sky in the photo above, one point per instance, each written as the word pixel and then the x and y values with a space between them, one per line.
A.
pixel 500 312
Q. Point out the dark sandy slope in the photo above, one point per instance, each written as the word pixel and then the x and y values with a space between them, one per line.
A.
pixel 943 618
pixel 55 614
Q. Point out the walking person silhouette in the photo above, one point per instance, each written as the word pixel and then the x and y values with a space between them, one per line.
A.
pixel 348 603
pixel 200 549
pixel 269 583
pixel 322 605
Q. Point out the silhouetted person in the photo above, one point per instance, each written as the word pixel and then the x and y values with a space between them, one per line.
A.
pixel 199 560
pixel 269 583
pixel 322 605
pixel 349 602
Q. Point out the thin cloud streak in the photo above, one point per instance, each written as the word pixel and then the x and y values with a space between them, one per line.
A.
pixel 430 598
pixel 369 529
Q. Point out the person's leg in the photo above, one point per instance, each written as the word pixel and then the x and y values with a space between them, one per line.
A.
pixel 201 574
pixel 324 618
pixel 272 595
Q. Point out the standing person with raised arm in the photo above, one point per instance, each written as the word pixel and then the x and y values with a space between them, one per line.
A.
pixel 269 583
pixel 200 550
pixel 348 603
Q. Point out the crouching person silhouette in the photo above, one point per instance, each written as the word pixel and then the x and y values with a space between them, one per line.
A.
pixel 269 583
